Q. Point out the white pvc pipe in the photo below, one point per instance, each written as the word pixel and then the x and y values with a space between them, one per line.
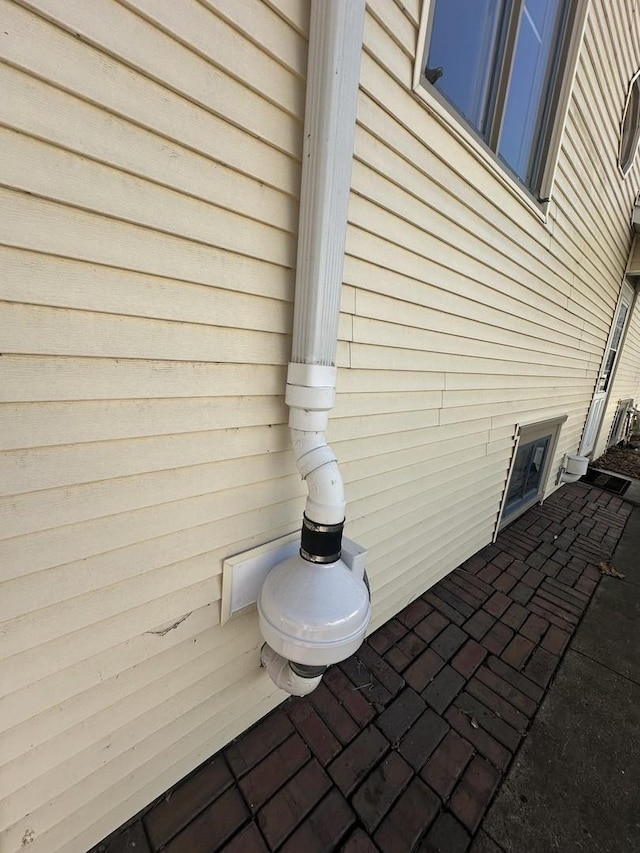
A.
pixel 565 477
pixel 283 676
pixel 574 466
pixel 335 46
pixel 318 466
pixel 312 609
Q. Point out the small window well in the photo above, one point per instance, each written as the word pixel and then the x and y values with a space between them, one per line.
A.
pixel 531 463
pixel 630 133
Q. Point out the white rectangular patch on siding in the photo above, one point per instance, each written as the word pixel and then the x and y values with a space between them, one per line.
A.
pixel 244 574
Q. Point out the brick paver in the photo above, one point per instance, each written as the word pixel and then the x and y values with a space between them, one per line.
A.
pixel 474 791
pixel 282 814
pixel 352 765
pixel 515 616
pixel 447 836
pixel 408 819
pixel 469 658
pixel 497 638
pixel 322 830
pixel 246 752
pixel 187 801
pixel 518 651
pixel 422 738
pixel 359 842
pixel 331 711
pixel 213 826
pixel 406 650
pixel 314 731
pixel 449 641
pixel 447 764
pixel 263 781
pixel 478 625
pixel 404 744
pixel 443 689
pixel 375 796
pixel 423 670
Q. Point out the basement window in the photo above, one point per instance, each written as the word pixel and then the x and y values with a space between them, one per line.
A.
pixel 535 449
pixel 630 132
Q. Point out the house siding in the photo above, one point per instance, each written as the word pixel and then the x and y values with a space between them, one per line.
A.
pixel 150 178
pixel 151 160
pixel 454 275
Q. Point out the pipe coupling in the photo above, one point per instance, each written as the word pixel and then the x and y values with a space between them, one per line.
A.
pixel 320 543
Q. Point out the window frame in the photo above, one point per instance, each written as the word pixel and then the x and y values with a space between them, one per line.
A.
pixel 618 423
pixel 633 89
pixel 525 434
pixel 446 114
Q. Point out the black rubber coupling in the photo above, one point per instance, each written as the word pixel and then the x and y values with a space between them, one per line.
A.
pixel 305 670
pixel 321 543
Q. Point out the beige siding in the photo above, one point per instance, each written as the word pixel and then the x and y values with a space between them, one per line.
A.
pixel 454 273
pixel 150 178
pixel 151 173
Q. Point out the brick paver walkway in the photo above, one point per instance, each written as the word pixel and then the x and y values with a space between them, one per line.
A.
pixel 403 746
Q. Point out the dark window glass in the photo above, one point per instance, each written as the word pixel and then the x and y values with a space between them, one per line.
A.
pixel 465 44
pixel 527 96
pixel 498 63
pixel 526 476
pixel 605 376
pixel 630 128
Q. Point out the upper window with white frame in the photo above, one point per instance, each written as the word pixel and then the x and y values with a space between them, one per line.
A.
pixel 500 65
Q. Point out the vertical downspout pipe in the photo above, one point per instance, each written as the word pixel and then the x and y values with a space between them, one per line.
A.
pixel 329 132
pixel 313 610
pixel 335 47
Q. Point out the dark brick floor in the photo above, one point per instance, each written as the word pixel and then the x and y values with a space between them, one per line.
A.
pixel 403 746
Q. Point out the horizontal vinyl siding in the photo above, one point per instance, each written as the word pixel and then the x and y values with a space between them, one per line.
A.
pixel 454 275
pixel 148 252
pixel 147 247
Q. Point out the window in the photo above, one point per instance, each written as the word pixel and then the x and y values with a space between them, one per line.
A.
pixel 614 345
pixel 527 472
pixel 630 126
pixel 530 467
pixel 620 422
pixel 500 64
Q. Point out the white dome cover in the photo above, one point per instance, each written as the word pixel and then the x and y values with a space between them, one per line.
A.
pixel 312 613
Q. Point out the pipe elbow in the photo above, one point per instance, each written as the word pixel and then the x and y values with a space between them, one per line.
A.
pixel 573 467
pixel 318 466
pixel 308 444
pixel 566 477
pixel 326 502
pixel 283 676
